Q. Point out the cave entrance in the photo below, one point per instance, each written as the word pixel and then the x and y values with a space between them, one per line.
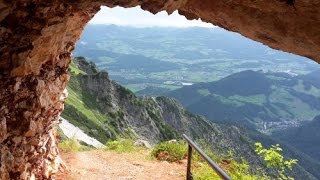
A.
pixel 37 40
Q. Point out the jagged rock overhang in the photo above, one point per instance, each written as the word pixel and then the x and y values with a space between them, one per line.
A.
pixel 35 32
pixel 38 36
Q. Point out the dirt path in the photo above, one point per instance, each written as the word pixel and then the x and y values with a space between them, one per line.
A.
pixel 102 165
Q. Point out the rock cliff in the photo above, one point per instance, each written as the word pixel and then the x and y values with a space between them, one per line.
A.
pixel 153 119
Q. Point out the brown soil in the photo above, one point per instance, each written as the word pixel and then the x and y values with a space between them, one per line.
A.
pixel 96 165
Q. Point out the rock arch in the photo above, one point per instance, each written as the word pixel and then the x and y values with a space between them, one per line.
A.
pixel 37 37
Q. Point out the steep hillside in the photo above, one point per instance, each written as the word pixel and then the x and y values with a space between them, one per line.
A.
pixel 262 101
pixel 305 138
pixel 106 110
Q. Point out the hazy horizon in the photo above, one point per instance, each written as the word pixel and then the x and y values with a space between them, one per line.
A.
pixel 136 17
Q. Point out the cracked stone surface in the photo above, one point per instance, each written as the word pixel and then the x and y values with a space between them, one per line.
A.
pixel 38 36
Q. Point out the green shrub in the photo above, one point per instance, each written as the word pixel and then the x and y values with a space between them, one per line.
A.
pixel 274 159
pixel 169 151
pixel 122 146
pixel 240 171
pixel 70 145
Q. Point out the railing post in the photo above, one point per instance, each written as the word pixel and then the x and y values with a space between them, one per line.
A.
pixel 189 174
pixel 214 166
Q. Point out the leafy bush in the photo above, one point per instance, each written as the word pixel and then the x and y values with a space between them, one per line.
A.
pixel 170 151
pixel 274 159
pixel 236 170
pixel 240 171
pixel 122 146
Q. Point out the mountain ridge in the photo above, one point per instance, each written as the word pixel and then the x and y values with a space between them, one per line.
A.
pixel 261 100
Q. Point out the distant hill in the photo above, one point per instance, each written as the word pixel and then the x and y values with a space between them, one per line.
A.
pixel 262 101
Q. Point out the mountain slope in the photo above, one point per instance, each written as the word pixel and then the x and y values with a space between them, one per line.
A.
pixel 105 110
pixel 268 102
pixel 263 101
pixel 305 138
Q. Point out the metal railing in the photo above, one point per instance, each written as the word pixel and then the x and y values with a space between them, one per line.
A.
pixel 213 165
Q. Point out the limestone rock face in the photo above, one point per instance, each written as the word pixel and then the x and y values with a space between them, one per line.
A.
pixel 30 107
pixel 37 37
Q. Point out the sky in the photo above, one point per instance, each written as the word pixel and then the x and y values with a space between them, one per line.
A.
pixel 139 18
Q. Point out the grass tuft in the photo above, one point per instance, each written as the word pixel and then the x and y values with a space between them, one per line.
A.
pixel 122 146
pixel 169 151
pixel 72 145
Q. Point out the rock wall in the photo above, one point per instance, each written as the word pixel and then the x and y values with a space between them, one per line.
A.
pixel 30 106
pixel 37 37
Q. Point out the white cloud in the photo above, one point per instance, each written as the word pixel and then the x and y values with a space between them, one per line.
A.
pixel 140 18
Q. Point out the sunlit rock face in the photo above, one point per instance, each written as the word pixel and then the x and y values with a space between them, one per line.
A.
pixel 37 37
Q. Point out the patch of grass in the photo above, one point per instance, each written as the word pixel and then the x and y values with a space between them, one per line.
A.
pixel 204 172
pixel 72 145
pixel 240 171
pixel 122 146
pixel 89 124
pixel 74 69
pixel 197 158
pixel 259 99
pixel 169 151
pixel 236 170
pixel 82 111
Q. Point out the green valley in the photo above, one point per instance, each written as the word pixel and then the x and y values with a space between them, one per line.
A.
pixel 170 58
